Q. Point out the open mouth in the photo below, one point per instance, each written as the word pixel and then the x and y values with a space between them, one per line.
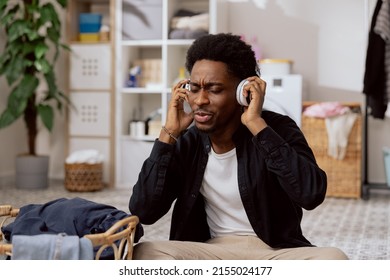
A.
pixel 202 116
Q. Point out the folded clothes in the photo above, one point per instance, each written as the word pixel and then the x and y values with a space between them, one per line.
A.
pixel 186 34
pixel 325 109
pixel 195 22
pixel 51 247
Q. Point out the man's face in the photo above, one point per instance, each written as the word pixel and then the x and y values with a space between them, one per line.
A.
pixel 212 97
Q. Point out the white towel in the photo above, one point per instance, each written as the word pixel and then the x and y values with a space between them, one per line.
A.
pixel 89 156
pixel 339 128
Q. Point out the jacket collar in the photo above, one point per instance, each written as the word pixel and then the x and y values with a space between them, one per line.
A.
pixel 238 137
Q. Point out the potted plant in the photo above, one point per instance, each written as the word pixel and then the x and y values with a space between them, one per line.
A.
pixel 32 28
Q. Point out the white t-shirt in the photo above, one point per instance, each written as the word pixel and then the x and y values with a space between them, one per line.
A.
pixel 224 208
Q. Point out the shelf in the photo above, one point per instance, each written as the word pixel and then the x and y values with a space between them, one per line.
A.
pixel 143 138
pixel 74 42
pixel 183 42
pixel 129 90
pixel 143 44
pixel 157 43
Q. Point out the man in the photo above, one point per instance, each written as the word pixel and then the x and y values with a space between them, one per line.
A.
pixel 239 176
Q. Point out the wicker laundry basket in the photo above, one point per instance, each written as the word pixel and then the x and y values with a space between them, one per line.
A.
pixel 344 176
pixel 120 236
pixel 83 177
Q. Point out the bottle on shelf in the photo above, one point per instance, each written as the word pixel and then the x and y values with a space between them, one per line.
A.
pixel 134 73
pixel 180 77
pixel 136 127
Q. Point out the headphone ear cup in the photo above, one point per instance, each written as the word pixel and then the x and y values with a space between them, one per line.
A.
pixel 241 99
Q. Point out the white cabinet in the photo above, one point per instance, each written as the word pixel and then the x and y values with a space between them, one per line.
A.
pixel 144 33
pixel 284 95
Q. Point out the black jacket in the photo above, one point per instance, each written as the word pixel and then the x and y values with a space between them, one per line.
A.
pixel 277 176
pixel 374 82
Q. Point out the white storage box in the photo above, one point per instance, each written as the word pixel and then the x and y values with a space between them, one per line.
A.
pixel 142 19
pixel 90 67
pixel 91 117
pixel 275 67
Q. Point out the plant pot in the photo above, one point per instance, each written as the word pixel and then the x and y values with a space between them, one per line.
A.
pixel 32 172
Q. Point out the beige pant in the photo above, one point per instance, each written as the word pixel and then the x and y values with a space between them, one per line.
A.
pixel 230 248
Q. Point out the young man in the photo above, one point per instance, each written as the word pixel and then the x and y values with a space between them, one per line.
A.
pixel 239 176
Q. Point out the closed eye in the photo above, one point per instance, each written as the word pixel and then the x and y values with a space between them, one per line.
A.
pixel 213 88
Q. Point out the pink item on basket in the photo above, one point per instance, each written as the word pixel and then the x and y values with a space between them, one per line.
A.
pixel 325 110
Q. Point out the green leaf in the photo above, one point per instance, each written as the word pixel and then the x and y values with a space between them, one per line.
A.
pixel 51 83
pixel 14 69
pixel 42 65
pixel 18 29
pixel 16 105
pixel 33 35
pixel 27 49
pixel 53 34
pixel 7 118
pixel 3 7
pixel 66 47
pixel 47 115
pixel 40 50
pixel 63 3
pixel 63 98
pixel 8 15
pixel 26 87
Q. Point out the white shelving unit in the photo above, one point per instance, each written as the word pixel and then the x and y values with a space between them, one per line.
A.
pixel 91 80
pixel 149 40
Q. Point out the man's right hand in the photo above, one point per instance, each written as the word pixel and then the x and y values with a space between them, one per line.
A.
pixel 177 119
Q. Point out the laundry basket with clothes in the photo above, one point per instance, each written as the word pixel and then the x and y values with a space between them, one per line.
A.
pixel 70 229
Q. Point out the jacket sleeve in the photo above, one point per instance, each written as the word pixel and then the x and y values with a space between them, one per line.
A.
pixel 288 156
pixel 153 194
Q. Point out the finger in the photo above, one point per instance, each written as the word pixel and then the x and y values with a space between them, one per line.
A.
pixel 181 95
pixel 263 84
pixel 182 83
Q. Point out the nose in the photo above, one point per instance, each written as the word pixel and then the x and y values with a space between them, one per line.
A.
pixel 202 97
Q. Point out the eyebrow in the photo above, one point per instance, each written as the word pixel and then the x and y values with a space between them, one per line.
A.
pixel 207 84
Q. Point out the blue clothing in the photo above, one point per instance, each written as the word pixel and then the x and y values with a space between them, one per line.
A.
pixel 51 247
pixel 277 177
pixel 74 216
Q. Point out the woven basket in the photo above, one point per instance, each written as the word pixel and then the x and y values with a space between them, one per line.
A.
pixel 344 176
pixel 83 177
pixel 122 231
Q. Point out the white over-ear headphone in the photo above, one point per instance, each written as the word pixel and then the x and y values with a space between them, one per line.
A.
pixel 241 99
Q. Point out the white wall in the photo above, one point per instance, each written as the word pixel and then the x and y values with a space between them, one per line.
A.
pixel 325 39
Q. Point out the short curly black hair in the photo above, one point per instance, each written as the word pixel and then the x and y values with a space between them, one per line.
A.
pixel 227 48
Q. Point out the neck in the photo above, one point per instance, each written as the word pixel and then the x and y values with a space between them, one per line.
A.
pixel 222 141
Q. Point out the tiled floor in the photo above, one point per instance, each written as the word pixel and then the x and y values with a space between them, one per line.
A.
pixel 360 228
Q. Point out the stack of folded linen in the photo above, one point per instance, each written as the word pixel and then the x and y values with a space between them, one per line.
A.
pixel 189 25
